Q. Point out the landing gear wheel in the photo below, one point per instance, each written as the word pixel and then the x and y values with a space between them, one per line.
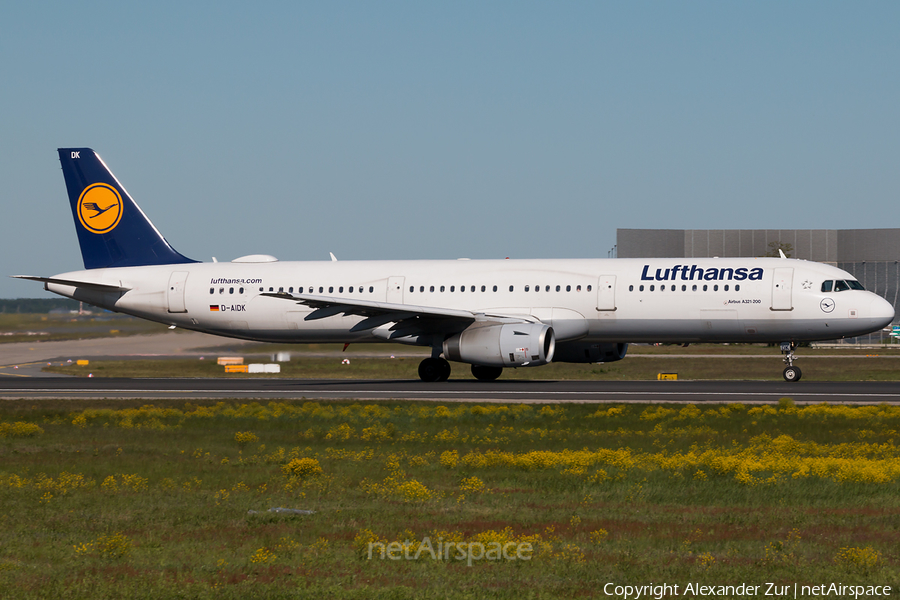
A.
pixel 445 370
pixel 483 373
pixel 792 374
pixel 434 369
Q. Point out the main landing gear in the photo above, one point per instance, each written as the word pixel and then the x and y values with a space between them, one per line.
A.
pixel 438 369
pixel 483 373
pixel 791 373
pixel 434 369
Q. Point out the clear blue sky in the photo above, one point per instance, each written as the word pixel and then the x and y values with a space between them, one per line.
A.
pixel 443 130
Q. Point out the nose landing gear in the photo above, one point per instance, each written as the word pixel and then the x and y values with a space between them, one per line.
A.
pixel 791 373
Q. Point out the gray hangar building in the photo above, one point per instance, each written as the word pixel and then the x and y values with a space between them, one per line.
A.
pixel 870 255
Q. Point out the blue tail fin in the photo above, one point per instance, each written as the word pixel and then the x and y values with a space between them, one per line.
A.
pixel 112 229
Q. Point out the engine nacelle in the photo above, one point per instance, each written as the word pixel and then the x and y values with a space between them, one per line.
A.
pixel 503 345
pixel 587 352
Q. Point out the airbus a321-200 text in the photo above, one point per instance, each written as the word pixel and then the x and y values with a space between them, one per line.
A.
pixel 490 314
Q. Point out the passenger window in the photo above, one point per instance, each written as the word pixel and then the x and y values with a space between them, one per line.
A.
pixel 241 291
pixel 330 289
pixel 371 289
pixel 568 288
pixel 716 288
pixel 212 290
pixel 422 288
pixel 291 290
pixel 652 288
pixel 826 286
pixel 683 288
pixel 495 288
pixel 222 290
pixel 588 288
pixel 510 288
pixel 527 288
pixel 341 290
pixel 630 288
pixel 230 290
pixel 442 288
pixel 841 286
pixel 431 289
pixel 557 288
pixel 673 288
pixel 737 287
pixel 705 287
pixel 281 290
pixel 473 289
pixel 726 288
pixel 321 289
pixel 483 288
pixel 694 288
pixel 260 289
pixel 641 289
pixel 452 288
pixel 270 289
pixel 351 289
pixel 412 288
pixel 578 288
pixel 462 288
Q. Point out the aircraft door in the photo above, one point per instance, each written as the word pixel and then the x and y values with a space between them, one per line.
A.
pixel 781 289
pixel 175 293
pixel 606 293
pixel 395 290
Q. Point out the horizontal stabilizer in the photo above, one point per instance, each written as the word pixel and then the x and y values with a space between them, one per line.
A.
pixel 101 287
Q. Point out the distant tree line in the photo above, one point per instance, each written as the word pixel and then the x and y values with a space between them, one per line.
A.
pixel 38 305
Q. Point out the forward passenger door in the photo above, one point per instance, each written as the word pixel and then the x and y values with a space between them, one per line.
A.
pixel 781 289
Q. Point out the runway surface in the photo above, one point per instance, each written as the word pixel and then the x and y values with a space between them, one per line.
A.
pixel 749 392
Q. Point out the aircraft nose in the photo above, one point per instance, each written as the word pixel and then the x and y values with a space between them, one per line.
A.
pixel 881 310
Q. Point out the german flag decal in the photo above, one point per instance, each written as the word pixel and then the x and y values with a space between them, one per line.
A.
pixel 214 307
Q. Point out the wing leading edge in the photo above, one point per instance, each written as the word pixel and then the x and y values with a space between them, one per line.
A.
pixel 408 319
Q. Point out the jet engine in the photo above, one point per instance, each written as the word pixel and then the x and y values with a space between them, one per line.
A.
pixel 503 345
pixel 587 352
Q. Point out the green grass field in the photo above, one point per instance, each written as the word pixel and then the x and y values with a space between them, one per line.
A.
pixel 117 500
pixel 30 327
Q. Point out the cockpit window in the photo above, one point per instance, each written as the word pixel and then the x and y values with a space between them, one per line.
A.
pixel 841 285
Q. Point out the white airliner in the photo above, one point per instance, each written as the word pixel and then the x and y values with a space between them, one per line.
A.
pixel 488 313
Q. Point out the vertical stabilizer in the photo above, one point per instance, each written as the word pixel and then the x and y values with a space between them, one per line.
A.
pixel 112 230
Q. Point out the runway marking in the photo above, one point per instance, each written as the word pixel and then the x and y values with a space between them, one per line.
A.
pixel 401 394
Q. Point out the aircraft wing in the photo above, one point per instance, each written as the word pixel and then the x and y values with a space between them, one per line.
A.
pixel 424 318
pixel 102 287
